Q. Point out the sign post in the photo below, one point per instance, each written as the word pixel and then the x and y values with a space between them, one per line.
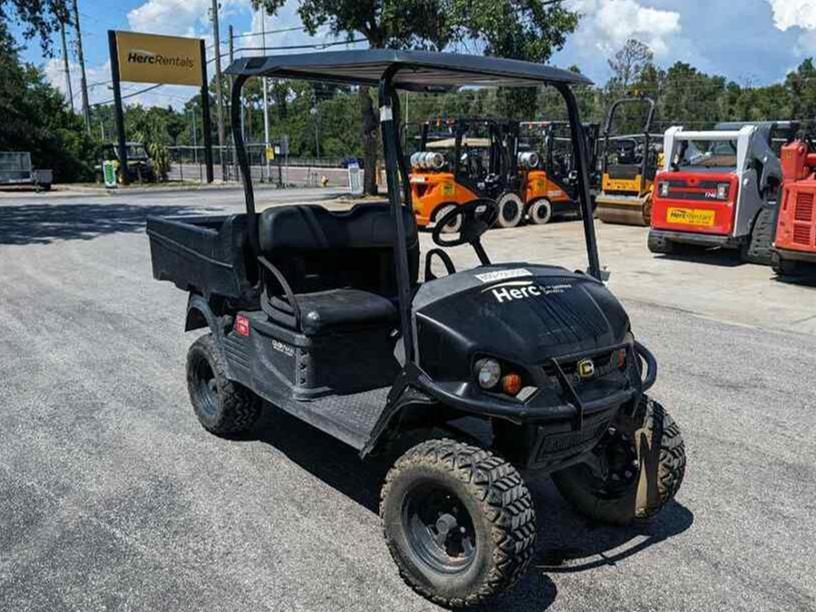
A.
pixel 151 58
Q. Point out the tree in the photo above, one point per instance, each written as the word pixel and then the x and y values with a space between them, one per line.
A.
pixel 39 18
pixel 522 29
pixel 36 119
pixel 628 64
pixel 801 86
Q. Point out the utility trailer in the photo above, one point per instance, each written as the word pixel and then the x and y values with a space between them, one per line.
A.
pixel 323 314
pixel 16 169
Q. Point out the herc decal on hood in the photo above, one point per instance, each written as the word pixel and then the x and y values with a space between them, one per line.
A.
pixel 525 289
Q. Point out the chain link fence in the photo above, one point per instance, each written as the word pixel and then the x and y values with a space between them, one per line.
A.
pixel 187 165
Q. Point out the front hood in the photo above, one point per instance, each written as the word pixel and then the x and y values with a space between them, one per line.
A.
pixel 525 313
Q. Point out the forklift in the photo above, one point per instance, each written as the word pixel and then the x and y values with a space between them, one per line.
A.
pixel 467 162
pixel 546 162
pixel 719 188
pixel 794 249
pixel 628 166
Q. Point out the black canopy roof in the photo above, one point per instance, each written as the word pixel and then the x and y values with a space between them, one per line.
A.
pixel 419 70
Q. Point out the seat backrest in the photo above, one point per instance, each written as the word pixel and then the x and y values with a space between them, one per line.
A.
pixel 320 249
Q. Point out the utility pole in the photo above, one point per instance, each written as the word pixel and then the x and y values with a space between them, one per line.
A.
pixel 69 88
pixel 83 83
pixel 265 97
pixel 316 115
pixel 220 99
pixel 195 144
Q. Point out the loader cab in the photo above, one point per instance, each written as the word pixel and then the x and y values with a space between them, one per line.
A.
pixel 629 160
pixel 718 188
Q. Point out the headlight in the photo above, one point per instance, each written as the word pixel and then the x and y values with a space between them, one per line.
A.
pixel 664 189
pixel 488 373
pixel 722 191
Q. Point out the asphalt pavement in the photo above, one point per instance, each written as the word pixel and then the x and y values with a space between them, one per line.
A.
pixel 112 497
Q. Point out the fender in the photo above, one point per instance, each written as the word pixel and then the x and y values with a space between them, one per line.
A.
pixel 200 315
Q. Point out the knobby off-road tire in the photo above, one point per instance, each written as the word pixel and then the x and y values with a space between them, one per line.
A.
pixel 222 406
pixel 783 267
pixel 658 474
pixel 759 247
pixel 483 499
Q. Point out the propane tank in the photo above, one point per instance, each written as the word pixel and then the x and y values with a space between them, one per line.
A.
pixel 528 159
pixel 428 160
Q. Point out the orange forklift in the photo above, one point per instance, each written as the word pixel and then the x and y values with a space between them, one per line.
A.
pixel 546 162
pixel 467 160
pixel 795 243
pixel 474 158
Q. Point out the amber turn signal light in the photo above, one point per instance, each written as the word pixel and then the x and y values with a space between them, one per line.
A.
pixel 511 383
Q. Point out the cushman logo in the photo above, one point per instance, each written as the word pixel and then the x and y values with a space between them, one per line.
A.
pixel 141 56
pixel 585 368
pixel 524 289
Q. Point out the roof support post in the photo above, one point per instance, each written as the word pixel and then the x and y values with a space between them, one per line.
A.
pixel 243 162
pixel 389 118
pixel 579 145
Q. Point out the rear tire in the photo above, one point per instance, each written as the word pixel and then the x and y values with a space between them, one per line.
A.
pixel 458 520
pixel 540 211
pixel 511 210
pixel 222 406
pixel 614 499
pixel 660 245
pixel 759 247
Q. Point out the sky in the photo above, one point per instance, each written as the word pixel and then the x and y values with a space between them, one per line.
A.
pixel 752 42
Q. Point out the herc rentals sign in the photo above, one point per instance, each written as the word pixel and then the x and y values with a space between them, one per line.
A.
pixel 150 58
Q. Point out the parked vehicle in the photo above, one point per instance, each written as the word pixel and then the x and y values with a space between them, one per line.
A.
pixel 322 314
pixel 469 159
pixel 795 244
pixel 546 162
pixel 140 166
pixel 718 189
pixel 628 166
pixel 16 169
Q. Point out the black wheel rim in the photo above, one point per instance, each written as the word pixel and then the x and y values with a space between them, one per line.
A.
pixel 510 210
pixel 205 387
pixel 618 455
pixel 439 529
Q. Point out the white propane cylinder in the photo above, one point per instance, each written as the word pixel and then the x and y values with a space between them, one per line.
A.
pixel 528 159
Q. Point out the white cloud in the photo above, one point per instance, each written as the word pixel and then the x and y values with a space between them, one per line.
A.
pixel 607 24
pixel 179 17
pixel 794 14
pixel 97 77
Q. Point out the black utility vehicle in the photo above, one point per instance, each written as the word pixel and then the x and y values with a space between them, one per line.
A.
pixel 527 368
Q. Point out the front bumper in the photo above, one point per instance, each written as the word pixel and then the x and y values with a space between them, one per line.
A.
pixel 793 255
pixel 704 240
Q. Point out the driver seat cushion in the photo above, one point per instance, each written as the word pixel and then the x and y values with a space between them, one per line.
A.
pixel 324 310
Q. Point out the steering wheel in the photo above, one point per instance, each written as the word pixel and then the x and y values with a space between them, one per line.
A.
pixel 477 217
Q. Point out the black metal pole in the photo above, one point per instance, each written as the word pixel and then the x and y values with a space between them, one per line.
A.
pixel 205 114
pixel 579 145
pixel 387 119
pixel 243 163
pixel 118 114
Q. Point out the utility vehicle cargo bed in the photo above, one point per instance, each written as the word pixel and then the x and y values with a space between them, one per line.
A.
pixel 205 254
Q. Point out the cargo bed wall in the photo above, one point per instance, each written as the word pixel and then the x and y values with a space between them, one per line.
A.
pixel 208 255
